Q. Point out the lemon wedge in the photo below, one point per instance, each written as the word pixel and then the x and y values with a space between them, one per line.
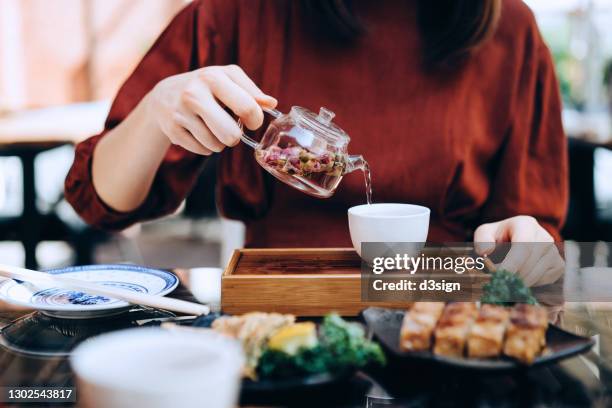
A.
pixel 293 337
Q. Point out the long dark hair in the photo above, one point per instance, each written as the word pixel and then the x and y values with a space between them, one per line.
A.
pixel 450 29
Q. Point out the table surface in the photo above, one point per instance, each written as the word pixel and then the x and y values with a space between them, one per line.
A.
pixel 61 124
pixel 577 382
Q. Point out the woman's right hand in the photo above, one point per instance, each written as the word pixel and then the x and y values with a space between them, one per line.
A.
pixel 189 108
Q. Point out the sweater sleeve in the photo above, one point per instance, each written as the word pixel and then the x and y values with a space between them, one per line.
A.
pixel 532 171
pixel 184 45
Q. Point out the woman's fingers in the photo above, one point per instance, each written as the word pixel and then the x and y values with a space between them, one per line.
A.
pixel 202 114
pixel 203 104
pixel 545 264
pixel 549 268
pixel 520 232
pixel 529 245
pixel 515 229
pixel 190 107
pixel 234 97
pixel 221 124
pixel 533 267
pixel 236 74
pixel 516 258
pixel 182 137
pixel 200 132
pixel 484 238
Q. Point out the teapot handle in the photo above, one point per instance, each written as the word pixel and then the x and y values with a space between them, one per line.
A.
pixel 247 140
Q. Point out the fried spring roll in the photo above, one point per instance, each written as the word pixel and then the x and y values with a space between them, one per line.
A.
pixel 453 327
pixel 526 334
pixel 418 325
pixel 486 337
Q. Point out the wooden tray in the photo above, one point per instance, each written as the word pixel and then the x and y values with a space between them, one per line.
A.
pixel 303 282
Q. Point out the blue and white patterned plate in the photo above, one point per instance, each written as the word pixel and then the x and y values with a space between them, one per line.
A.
pixel 66 303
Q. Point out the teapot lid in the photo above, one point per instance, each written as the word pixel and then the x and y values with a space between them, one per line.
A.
pixel 321 124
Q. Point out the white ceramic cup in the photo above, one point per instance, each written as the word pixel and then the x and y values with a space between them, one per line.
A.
pixel 388 222
pixel 158 368
pixel 205 286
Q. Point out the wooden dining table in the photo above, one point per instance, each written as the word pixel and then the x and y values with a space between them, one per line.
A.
pixel 581 381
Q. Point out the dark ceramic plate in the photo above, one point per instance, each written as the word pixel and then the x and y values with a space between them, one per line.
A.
pixel 385 325
pixel 317 381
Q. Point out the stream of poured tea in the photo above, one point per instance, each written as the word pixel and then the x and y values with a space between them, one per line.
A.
pixel 367 175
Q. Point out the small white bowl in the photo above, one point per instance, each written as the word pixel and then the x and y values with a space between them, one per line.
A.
pixel 388 222
pixel 205 286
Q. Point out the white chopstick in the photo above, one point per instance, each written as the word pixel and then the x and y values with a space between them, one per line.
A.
pixel 135 298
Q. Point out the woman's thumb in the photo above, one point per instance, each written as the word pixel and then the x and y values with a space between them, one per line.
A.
pixel 484 238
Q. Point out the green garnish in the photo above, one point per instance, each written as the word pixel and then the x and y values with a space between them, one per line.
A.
pixel 506 288
pixel 342 346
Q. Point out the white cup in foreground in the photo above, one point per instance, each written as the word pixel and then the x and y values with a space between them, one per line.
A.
pixel 388 222
pixel 155 368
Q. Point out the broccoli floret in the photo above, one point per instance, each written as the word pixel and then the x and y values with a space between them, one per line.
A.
pixel 342 346
pixel 506 288
pixel 347 343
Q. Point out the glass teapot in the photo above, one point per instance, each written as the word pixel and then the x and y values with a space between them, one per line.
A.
pixel 305 150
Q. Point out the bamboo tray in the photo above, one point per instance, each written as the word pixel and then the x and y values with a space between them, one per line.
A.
pixel 303 282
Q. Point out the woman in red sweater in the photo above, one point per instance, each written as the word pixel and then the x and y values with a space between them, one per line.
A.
pixel 454 103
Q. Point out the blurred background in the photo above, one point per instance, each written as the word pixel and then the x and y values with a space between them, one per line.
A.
pixel 61 62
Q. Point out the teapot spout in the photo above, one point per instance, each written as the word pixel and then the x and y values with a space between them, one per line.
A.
pixel 354 162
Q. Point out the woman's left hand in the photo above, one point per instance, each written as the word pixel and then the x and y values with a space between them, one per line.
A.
pixel 533 253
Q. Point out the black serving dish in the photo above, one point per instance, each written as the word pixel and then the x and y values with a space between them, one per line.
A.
pixel 385 325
